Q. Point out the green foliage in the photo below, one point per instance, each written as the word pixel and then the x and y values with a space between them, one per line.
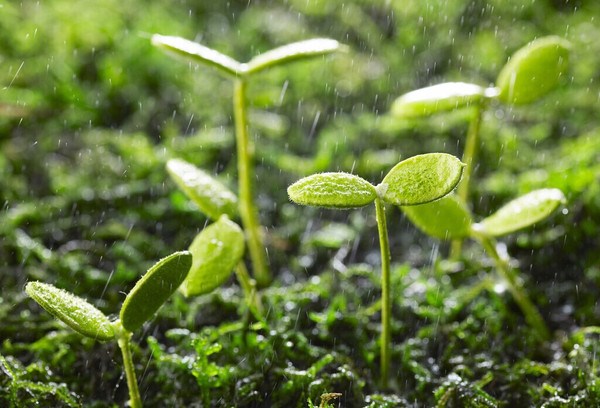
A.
pixel 446 218
pixel 216 251
pixel 153 289
pixel 72 310
pixel 332 190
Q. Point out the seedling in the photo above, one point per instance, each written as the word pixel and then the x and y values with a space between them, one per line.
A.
pixel 241 74
pixel 530 74
pixel 219 248
pixel 417 180
pixel 142 302
pixel 449 218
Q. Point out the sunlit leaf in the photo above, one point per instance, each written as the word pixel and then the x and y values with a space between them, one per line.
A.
pixel 197 53
pixel 439 98
pixel 332 190
pixel 446 218
pixel 72 310
pixel 534 70
pixel 216 251
pixel 209 194
pixel 421 179
pixel 292 52
pixel 522 212
pixel 154 288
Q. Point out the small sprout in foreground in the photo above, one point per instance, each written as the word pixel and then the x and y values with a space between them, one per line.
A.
pixel 419 179
pixel 144 300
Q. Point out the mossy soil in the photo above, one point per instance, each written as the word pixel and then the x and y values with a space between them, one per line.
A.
pixel 90 116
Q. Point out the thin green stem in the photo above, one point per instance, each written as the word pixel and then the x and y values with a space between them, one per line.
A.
pixel 124 340
pixel 531 313
pixel 248 211
pixel 250 293
pixel 469 158
pixel 385 292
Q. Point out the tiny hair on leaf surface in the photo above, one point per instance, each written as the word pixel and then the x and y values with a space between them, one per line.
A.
pixel 216 251
pixel 332 190
pixel 522 212
pixel 446 218
pixel 421 179
pixel 209 194
pixel 533 70
pixel 439 98
pixel 74 311
pixel 154 288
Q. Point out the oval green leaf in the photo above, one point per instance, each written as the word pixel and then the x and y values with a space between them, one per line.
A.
pixel 439 98
pixel 292 52
pixel 522 212
pixel 72 310
pixel 332 190
pixel 210 195
pixel 154 288
pixel 446 218
pixel 533 71
pixel 216 251
pixel 421 179
pixel 197 53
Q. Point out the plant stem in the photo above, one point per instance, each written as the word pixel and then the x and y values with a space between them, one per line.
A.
pixel 531 313
pixel 124 340
pixel 248 211
pixel 249 287
pixel 469 157
pixel 385 291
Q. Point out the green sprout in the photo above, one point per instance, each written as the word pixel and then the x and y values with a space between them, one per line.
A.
pixel 140 305
pixel 241 74
pixel 530 74
pixel 417 180
pixel 449 218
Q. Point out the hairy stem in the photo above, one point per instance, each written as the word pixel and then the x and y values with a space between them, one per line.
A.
pixel 531 313
pixel 248 211
pixel 469 158
pixel 250 293
pixel 385 291
pixel 124 340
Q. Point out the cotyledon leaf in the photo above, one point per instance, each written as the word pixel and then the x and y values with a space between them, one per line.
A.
pixel 198 53
pixel 522 212
pixel 210 195
pixel 534 70
pixel 292 52
pixel 332 190
pixel 446 218
pixel 154 288
pixel 72 310
pixel 216 251
pixel 440 98
pixel 421 179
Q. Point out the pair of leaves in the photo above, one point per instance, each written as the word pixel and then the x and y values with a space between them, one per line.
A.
pixel 142 302
pixel 419 179
pixel 288 53
pixel 449 218
pixel 531 73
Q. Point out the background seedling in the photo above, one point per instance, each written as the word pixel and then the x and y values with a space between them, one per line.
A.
pixel 142 302
pixel 531 73
pixel 416 180
pixel 241 74
pixel 449 218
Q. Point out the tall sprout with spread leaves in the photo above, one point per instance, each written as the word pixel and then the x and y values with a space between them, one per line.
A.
pixel 417 180
pixel 450 218
pixel 242 73
pixel 142 302
pixel 218 249
pixel 530 74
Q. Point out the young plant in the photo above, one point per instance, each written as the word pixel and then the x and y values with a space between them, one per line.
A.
pixel 142 302
pixel 241 73
pixel 417 180
pixel 449 218
pixel 218 249
pixel 530 74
